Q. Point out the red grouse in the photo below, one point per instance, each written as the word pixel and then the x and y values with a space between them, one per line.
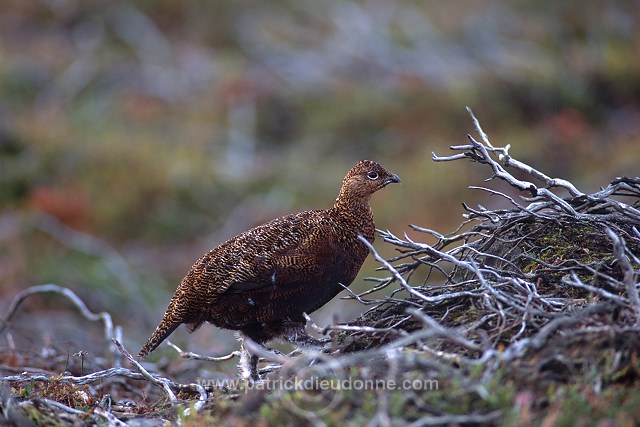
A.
pixel 263 280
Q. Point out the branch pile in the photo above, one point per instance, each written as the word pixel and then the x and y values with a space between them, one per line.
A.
pixel 539 293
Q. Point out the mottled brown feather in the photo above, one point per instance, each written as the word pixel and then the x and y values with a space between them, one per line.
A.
pixel 261 281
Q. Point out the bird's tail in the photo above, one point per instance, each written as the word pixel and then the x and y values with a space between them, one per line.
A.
pixel 163 330
pixel 173 317
pixel 181 310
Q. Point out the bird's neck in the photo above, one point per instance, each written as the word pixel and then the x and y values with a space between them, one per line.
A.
pixel 356 211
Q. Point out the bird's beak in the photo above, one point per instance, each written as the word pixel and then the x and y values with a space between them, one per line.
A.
pixel 392 178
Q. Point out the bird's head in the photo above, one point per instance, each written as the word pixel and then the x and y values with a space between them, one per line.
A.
pixel 364 179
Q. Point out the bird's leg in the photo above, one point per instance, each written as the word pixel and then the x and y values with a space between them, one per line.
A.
pixel 248 362
pixel 253 368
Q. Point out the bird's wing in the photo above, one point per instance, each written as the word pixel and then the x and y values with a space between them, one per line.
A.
pixel 303 262
pixel 297 248
pixel 274 254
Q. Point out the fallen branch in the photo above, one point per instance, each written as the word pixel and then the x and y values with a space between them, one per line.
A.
pixel 103 316
pixel 162 383
pixel 195 356
pixel 630 276
pixel 393 329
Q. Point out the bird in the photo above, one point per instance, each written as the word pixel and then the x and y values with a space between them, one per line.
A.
pixel 263 281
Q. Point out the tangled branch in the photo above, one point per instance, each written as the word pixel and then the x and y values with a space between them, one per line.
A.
pixel 112 334
pixel 512 283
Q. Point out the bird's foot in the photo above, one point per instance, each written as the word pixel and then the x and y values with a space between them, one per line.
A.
pixel 248 366
pixel 250 354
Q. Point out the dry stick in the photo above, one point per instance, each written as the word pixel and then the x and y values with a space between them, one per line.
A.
pixel 202 399
pixel 442 331
pixel 481 132
pixel 411 338
pixel 501 173
pixel 454 419
pixel 358 297
pixel 195 356
pixel 111 419
pixel 510 199
pixel 368 329
pixel 469 265
pixel 166 384
pixel 85 379
pixel 392 270
pixel 162 383
pixel 518 348
pixel 103 316
pixel 504 157
pixel 263 352
pixel 18 299
pixel 52 403
pixel 507 160
pixel 142 374
pixel 619 250
pixel 577 283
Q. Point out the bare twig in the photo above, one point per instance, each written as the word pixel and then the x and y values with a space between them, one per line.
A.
pixel 393 329
pixel 391 269
pixel 195 356
pixel 261 351
pixel 103 316
pixel 111 419
pixel 576 282
pixel 57 405
pixel 440 330
pixel 85 379
pixel 160 382
pixel 164 383
pixel 630 276
pixel 503 156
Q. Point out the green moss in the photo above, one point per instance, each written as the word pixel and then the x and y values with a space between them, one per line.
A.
pixel 579 404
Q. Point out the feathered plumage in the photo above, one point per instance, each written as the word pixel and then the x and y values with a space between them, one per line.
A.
pixel 263 280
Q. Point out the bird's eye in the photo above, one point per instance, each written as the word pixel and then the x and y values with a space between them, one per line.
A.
pixel 372 175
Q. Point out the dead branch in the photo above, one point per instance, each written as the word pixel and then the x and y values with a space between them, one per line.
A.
pixel 630 276
pixel 111 419
pixel 391 269
pixel 452 419
pixel 53 403
pixel 165 384
pixel 195 356
pixel 529 278
pixel 160 382
pixel 393 329
pixel 82 380
pixel 440 330
pixel 10 408
pixel 264 353
pixel 504 157
pixel 103 316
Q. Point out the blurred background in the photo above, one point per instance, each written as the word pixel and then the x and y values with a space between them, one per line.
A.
pixel 136 135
